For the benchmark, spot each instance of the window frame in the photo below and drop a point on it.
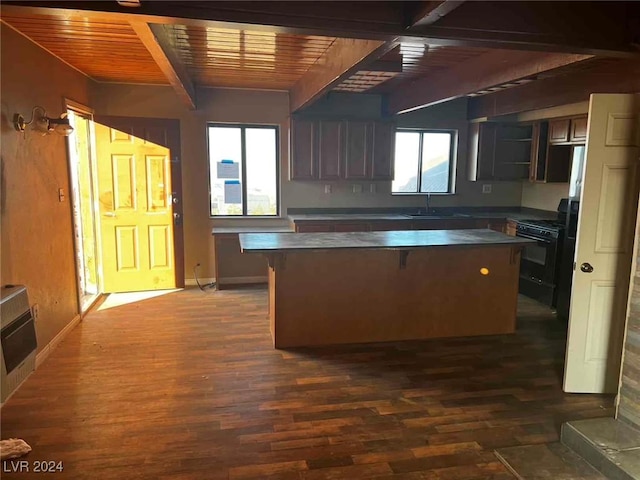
(451, 190)
(243, 163)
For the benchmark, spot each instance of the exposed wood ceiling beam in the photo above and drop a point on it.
(445, 36)
(342, 59)
(593, 28)
(431, 11)
(602, 76)
(488, 70)
(156, 41)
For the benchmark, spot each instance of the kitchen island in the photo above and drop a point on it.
(331, 288)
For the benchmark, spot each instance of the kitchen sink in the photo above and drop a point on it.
(430, 214)
(438, 215)
(420, 216)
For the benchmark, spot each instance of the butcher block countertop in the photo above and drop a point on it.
(403, 239)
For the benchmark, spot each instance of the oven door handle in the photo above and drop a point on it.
(543, 240)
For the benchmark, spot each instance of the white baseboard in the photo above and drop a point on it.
(228, 281)
(44, 353)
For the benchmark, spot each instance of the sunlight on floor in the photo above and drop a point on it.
(118, 299)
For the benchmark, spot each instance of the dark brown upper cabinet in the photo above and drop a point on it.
(500, 151)
(304, 161)
(559, 130)
(540, 151)
(550, 160)
(568, 130)
(578, 132)
(335, 149)
(384, 146)
(359, 150)
(330, 147)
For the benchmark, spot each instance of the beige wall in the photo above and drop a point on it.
(268, 107)
(544, 196)
(37, 234)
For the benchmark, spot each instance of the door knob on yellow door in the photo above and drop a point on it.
(586, 268)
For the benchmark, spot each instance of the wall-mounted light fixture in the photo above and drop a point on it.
(43, 124)
(128, 3)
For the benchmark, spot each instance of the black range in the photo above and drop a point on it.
(539, 267)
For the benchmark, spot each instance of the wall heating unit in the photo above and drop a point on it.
(18, 342)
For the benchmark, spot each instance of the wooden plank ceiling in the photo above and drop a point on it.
(107, 50)
(413, 61)
(228, 57)
(417, 60)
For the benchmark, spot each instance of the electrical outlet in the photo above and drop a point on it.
(35, 311)
(327, 188)
(486, 188)
(357, 188)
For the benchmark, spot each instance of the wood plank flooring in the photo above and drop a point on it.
(188, 386)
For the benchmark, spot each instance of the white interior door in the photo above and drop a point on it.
(604, 244)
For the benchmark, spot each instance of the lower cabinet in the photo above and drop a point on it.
(352, 227)
(314, 227)
(382, 226)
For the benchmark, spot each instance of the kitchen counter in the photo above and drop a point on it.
(332, 288)
(236, 230)
(515, 216)
(355, 217)
(346, 217)
(441, 219)
(401, 239)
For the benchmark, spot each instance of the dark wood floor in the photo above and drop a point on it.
(188, 386)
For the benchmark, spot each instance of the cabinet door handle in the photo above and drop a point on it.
(586, 268)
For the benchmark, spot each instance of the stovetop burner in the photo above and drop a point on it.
(540, 229)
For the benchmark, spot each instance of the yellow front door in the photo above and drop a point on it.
(136, 219)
